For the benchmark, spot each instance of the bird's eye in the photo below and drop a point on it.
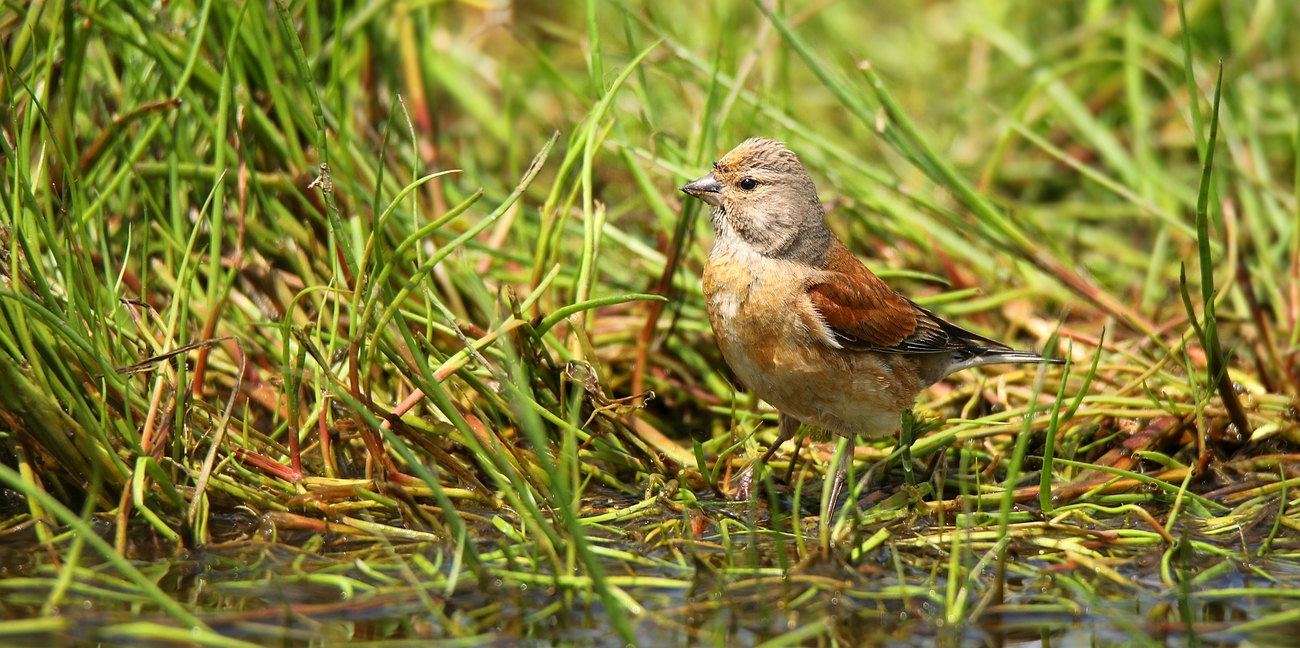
(748, 184)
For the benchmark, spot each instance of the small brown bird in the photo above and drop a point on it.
(805, 324)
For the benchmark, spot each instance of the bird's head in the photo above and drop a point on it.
(760, 193)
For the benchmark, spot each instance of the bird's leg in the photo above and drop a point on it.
(841, 475)
(794, 458)
(786, 427)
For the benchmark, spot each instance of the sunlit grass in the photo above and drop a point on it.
(352, 314)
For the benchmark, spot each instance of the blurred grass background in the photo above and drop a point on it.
(387, 284)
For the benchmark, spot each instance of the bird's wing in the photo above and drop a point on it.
(861, 312)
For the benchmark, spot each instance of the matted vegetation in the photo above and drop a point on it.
(381, 322)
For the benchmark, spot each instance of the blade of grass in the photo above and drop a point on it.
(1217, 367)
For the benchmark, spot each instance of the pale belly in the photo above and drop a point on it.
(758, 323)
(863, 394)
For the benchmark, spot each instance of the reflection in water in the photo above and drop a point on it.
(278, 594)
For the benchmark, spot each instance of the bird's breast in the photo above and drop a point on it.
(753, 303)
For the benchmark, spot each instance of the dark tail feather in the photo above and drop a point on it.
(980, 356)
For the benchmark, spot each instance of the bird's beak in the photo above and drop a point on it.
(707, 189)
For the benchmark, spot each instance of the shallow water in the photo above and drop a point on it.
(305, 589)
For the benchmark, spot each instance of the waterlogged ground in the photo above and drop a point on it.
(697, 576)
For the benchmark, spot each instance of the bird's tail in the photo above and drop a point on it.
(980, 356)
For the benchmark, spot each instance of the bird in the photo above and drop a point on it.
(806, 325)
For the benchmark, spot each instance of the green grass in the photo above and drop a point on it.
(339, 322)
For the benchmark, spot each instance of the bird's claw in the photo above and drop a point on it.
(744, 485)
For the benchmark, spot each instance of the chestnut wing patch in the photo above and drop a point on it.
(858, 317)
(864, 314)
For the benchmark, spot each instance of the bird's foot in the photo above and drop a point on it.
(744, 484)
(754, 473)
